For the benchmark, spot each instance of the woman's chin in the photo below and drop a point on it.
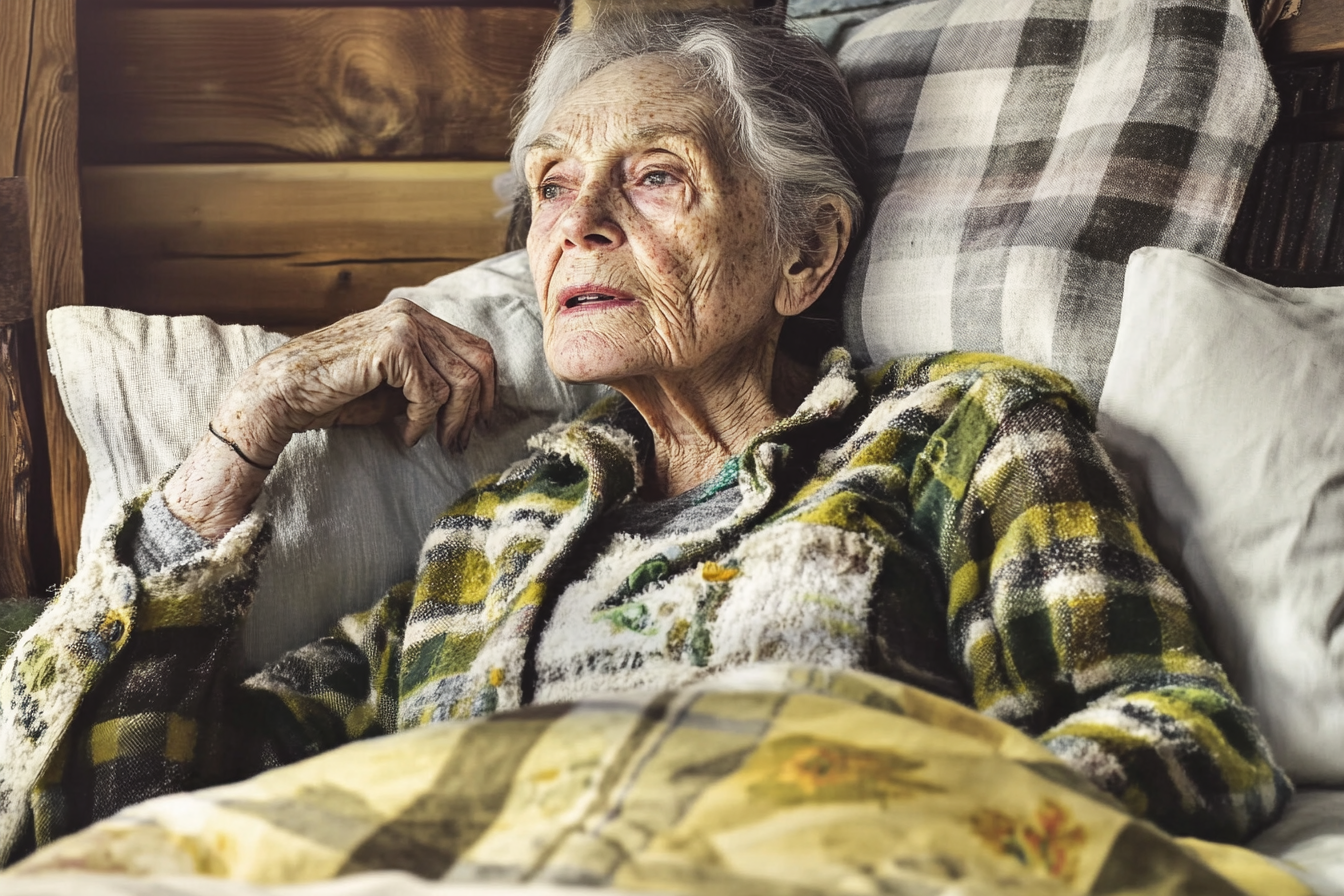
(588, 358)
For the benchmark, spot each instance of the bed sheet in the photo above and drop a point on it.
(1310, 840)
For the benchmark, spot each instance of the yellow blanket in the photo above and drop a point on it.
(769, 779)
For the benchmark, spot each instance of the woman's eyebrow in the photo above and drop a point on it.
(546, 141)
(656, 133)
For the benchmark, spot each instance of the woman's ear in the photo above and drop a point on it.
(809, 267)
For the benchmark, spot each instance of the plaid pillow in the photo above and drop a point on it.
(1022, 150)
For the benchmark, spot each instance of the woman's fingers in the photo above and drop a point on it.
(450, 348)
(425, 389)
(443, 377)
(467, 363)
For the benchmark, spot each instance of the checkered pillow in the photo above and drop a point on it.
(1022, 150)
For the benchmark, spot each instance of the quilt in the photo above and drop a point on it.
(765, 779)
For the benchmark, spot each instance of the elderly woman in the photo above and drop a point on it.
(946, 520)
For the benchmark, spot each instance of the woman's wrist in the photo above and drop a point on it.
(242, 424)
(221, 478)
(213, 489)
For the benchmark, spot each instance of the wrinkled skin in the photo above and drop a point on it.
(396, 363)
(656, 272)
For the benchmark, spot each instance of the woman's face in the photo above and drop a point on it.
(650, 251)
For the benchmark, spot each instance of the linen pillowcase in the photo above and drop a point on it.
(1222, 409)
(350, 507)
(1021, 151)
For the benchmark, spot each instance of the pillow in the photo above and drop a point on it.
(1222, 407)
(830, 21)
(350, 506)
(1020, 151)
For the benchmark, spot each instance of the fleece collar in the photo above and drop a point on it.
(613, 428)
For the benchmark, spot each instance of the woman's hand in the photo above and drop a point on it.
(396, 362)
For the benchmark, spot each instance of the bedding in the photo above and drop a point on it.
(1021, 151)
(830, 21)
(947, 520)
(140, 389)
(764, 779)
(1309, 839)
(1221, 408)
(1005, 201)
(374, 883)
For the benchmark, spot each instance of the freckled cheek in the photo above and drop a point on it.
(544, 219)
(657, 249)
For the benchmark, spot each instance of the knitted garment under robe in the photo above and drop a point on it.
(946, 520)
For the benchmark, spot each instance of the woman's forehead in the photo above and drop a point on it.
(635, 101)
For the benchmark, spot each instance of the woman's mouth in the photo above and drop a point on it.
(590, 295)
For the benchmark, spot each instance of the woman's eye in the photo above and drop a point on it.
(549, 191)
(657, 179)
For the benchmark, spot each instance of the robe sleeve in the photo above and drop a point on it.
(122, 691)
(1066, 625)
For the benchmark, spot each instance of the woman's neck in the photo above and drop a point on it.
(701, 418)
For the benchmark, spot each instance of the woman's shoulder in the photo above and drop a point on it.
(995, 385)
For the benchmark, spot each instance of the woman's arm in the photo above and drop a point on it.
(119, 692)
(163, 716)
(1068, 626)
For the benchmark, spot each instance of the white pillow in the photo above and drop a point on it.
(1222, 405)
(350, 507)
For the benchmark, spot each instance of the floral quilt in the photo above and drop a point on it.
(767, 779)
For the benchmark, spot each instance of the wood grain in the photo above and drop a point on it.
(267, 291)
(245, 85)
(16, 17)
(1317, 31)
(16, 268)
(48, 157)
(16, 443)
(16, 451)
(282, 245)
(300, 4)
(585, 10)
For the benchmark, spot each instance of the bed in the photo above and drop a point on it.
(1060, 186)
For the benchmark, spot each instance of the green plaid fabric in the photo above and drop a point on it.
(945, 520)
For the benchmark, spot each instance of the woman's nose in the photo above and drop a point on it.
(589, 221)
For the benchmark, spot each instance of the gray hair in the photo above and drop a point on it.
(783, 100)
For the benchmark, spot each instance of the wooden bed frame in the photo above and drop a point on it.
(286, 162)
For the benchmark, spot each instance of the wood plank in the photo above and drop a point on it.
(585, 10)
(47, 157)
(1317, 31)
(300, 4)
(297, 244)
(16, 19)
(365, 210)
(16, 260)
(16, 443)
(246, 85)
(272, 292)
(16, 451)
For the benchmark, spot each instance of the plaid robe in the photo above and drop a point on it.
(946, 520)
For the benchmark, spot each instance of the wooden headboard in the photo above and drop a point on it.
(286, 162)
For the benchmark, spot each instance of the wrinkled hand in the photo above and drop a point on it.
(396, 362)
